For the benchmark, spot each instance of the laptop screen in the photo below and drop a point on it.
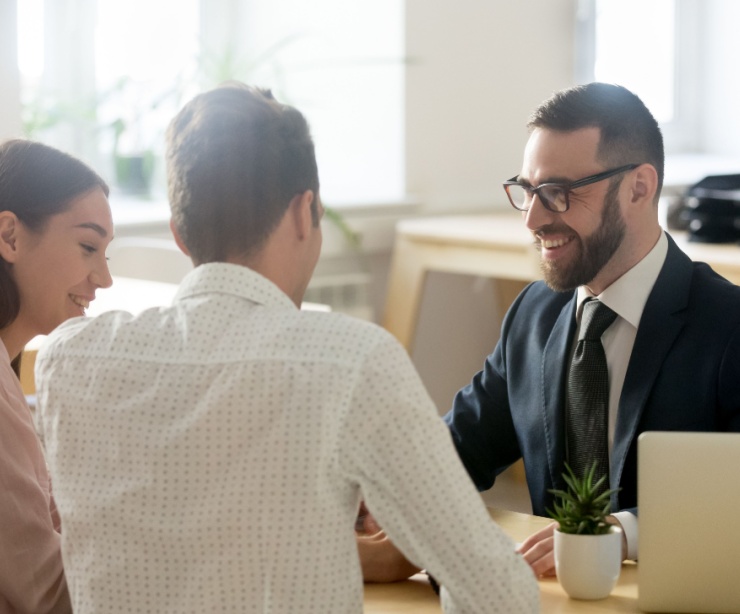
(689, 535)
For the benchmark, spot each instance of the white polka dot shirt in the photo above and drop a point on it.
(210, 457)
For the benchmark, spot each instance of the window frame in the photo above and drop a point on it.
(683, 133)
(69, 79)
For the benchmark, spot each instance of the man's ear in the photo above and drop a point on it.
(300, 207)
(9, 227)
(178, 239)
(644, 184)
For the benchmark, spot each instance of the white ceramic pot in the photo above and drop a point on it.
(588, 565)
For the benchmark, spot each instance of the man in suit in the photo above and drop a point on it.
(588, 189)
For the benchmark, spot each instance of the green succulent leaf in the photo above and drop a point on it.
(582, 507)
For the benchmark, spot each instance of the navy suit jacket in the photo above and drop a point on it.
(683, 375)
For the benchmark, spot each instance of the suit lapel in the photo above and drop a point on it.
(661, 321)
(554, 366)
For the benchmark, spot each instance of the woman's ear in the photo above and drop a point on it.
(9, 227)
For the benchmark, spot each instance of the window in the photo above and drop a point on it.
(650, 48)
(141, 86)
(102, 78)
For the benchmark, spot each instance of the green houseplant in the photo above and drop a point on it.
(588, 549)
(583, 507)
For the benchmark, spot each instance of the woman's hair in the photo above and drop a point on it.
(36, 182)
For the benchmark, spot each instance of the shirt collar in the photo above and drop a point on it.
(628, 294)
(235, 280)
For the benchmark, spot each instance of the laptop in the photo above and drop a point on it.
(689, 522)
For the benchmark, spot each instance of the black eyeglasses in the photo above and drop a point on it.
(554, 196)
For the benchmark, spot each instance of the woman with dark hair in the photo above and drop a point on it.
(55, 225)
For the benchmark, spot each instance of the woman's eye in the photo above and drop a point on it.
(89, 248)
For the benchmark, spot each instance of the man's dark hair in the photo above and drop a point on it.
(236, 158)
(629, 132)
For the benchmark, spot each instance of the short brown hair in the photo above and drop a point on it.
(629, 132)
(235, 159)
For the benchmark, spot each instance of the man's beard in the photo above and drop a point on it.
(594, 251)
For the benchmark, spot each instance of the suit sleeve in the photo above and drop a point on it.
(729, 384)
(481, 425)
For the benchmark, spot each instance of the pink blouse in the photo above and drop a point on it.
(31, 573)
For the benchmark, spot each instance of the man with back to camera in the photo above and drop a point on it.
(588, 189)
(210, 456)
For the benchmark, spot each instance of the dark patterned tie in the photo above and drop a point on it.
(587, 422)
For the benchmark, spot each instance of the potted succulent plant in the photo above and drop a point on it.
(588, 549)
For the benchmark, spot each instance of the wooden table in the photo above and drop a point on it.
(415, 595)
(497, 246)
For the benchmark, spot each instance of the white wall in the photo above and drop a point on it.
(10, 109)
(721, 91)
(480, 67)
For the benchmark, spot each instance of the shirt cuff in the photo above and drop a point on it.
(629, 525)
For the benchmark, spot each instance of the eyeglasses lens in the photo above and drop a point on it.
(520, 198)
(552, 196)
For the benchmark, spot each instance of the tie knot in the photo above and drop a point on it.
(595, 319)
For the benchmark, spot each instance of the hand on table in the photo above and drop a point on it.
(380, 560)
(539, 549)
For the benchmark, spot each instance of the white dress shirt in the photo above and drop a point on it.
(626, 297)
(210, 457)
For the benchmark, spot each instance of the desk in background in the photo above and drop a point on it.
(497, 246)
(416, 596)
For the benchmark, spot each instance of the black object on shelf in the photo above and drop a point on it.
(713, 209)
